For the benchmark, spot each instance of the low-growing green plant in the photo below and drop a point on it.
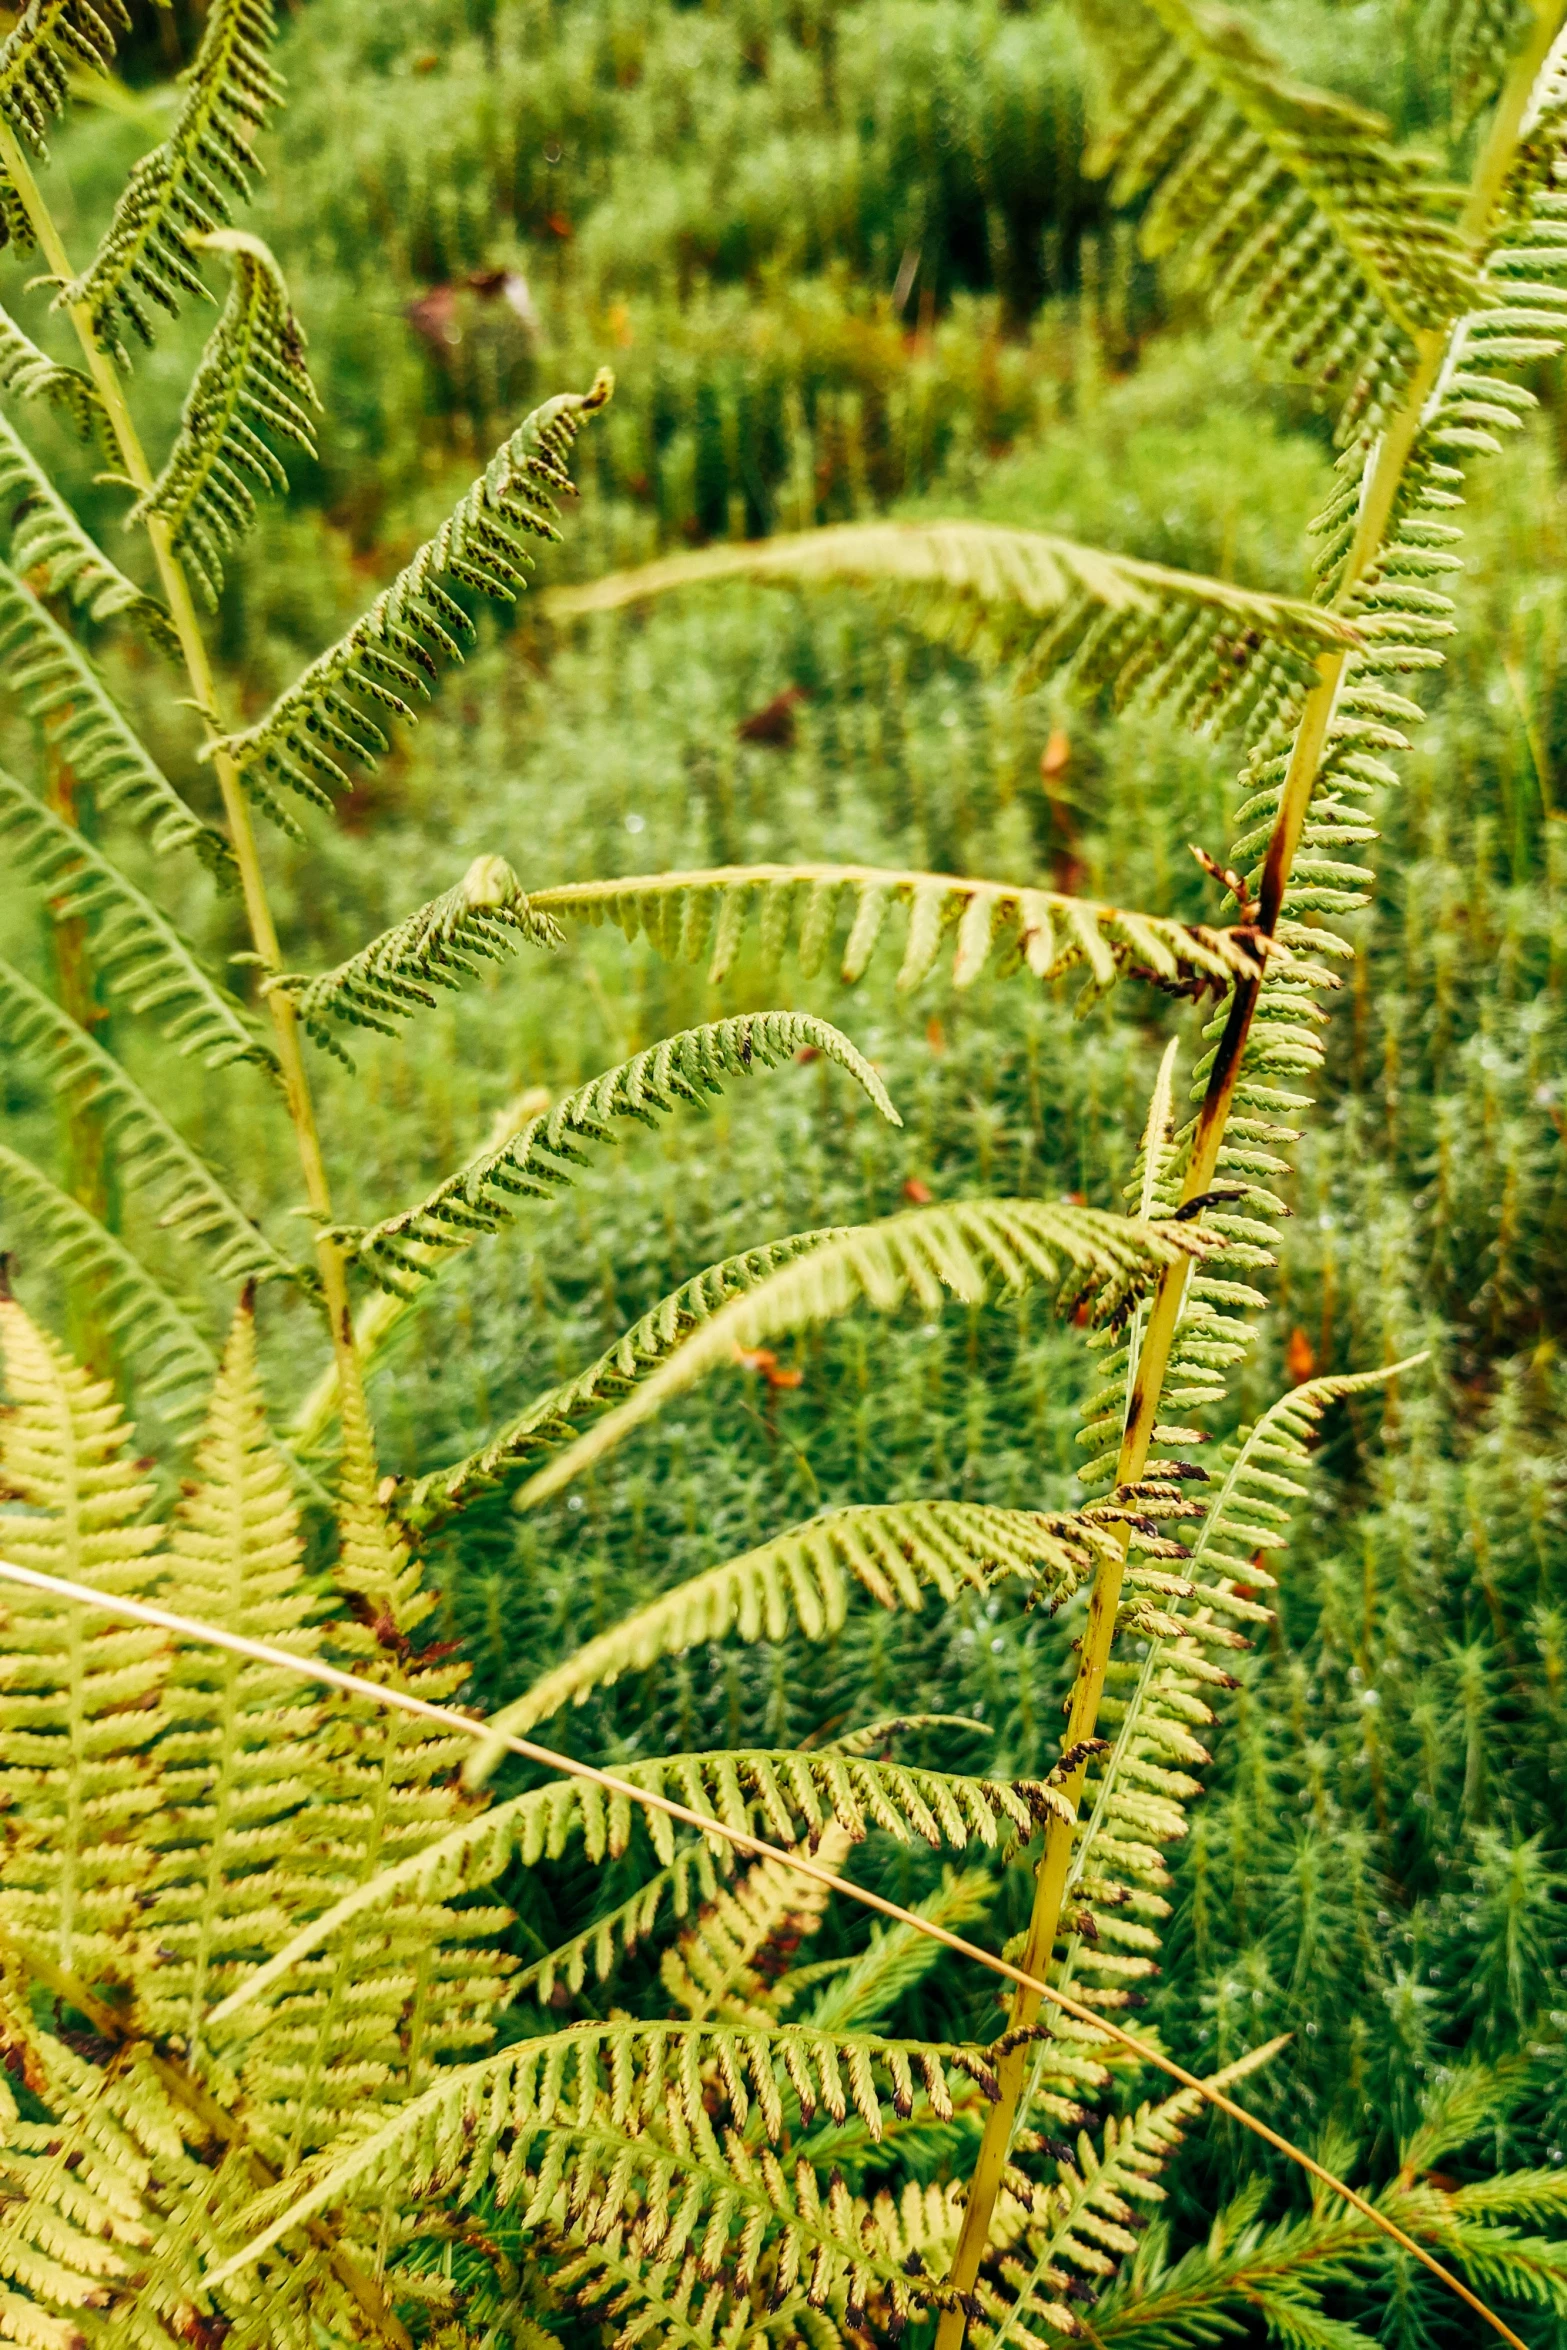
(269, 2074)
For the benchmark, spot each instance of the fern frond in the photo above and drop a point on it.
(137, 951)
(179, 193)
(931, 1254)
(1039, 928)
(51, 40)
(484, 2120)
(57, 685)
(30, 374)
(390, 979)
(78, 1702)
(785, 1795)
(151, 1154)
(391, 654)
(235, 1759)
(1291, 206)
(893, 1550)
(401, 1249)
(156, 1334)
(862, 1992)
(252, 374)
(46, 536)
(1139, 631)
(550, 1418)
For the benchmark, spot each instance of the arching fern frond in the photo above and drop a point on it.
(152, 1156)
(58, 686)
(714, 1970)
(390, 979)
(51, 40)
(137, 951)
(893, 1550)
(1290, 205)
(46, 536)
(30, 374)
(931, 1254)
(550, 1418)
(993, 922)
(78, 1702)
(785, 1795)
(1140, 631)
(156, 1334)
(482, 2121)
(391, 655)
(180, 192)
(683, 1068)
(252, 375)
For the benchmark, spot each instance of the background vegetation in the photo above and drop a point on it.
(844, 258)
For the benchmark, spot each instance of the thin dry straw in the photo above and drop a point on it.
(311, 1669)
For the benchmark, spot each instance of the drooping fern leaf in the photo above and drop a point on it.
(931, 1254)
(150, 1153)
(252, 375)
(1214, 652)
(58, 686)
(78, 1700)
(47, 537)
(699, 1061)
(137, 951)
(158, 1336)
(713, 1970)
(391, 654)
(893, 1550)
(1041, 929)
(390, 979)
(30, 374)
(1290, 205)
(550, 1417)
(150, 252)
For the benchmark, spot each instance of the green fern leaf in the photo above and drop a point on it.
(784, 1795)
(252, 374)
(1041, 929)
(485, 2118)
(46, 536)
(713, 1972)
(152, 1156)
(390, 979)
(1138, 630)
(551, 1416)
(30, 374)
(1290, 205)
(391, 654)
(137, 951)
(156, 1334)
(929, 1253)
(57, 686)
(401, 1249)
(51, 40)
(178, 194)
(79, 1700)
(894, 1550)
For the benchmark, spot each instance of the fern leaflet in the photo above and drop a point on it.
(390, 979)
(399, 1250)
(136, 949)
(1215, 652)
(391, 654)
(180, 192)
(152, 1156)
(156, 1333)
(1042, 929)
(51, 40)
(30, 374)
(46, 536)
(252, 374)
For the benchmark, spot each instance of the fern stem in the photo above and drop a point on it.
(236, 808)
(1380, 490)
